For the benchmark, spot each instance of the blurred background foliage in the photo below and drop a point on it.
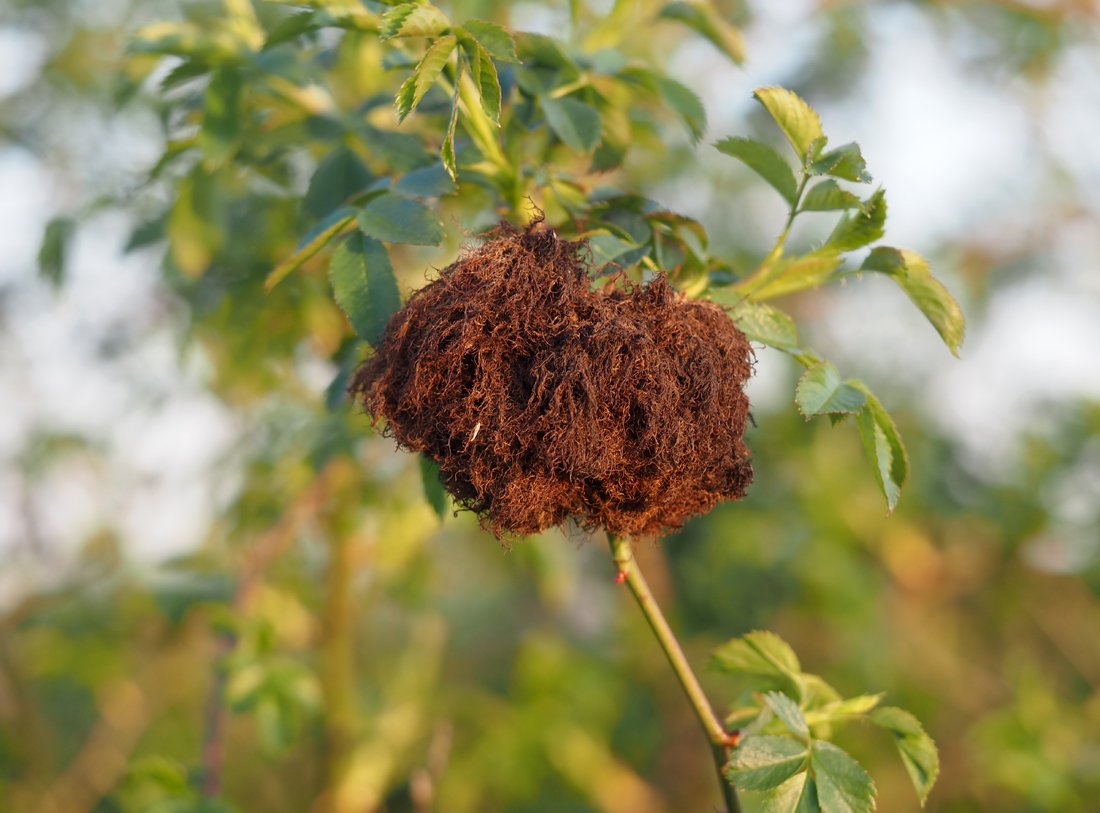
(321, 640)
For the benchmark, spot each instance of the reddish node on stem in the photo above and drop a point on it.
(620, 577)
(732, 739)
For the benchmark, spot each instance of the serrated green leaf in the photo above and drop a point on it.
(183, 72)
(793, 274)
(684, 103)
(761, 654)
(447, 152)
(918, 751)
(841, 710)
(339, 175)
(816, 691)
(883, 446)
(763, 761)
(910, 270)
(424, 76)
(364, 285)
(401, 151)
(862, 228)
(702, 19)
(220, 134)
(425, 182)
(413, 20)
(797, 120)
(764, 161)
(677, 222)
(821, 391)
(336, 393)
(844, 162)
(608, 248)
(761, 651)
(315, 240)
(434, 492)
(406, 94)
(544, 51)
(843, 786)
(493, 38)
(146, 233)
(739, 717)
(828, 196)
(575, 122)
(54, 251)
(470, 48)
(626, 223)
(488, 83)
(797, 795)
(291, 27)
(609, 155)
(788, 712)
(188, 40)
(758, 321)
(196, 227)
(396, 219)
(538, 81)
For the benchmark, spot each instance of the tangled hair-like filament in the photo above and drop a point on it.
(542, 399)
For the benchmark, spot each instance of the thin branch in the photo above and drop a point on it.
(764, 272)
(720, 740)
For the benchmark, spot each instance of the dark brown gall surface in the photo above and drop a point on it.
(543, 399)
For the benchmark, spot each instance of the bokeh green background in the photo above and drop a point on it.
(321, 636)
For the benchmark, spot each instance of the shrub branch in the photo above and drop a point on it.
(720, 740)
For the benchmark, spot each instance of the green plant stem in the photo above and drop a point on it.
(764, 272)
(479, 127)
(484, 134)
(782, 239)
(624, 559)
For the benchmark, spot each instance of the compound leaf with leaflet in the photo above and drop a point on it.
(364, 285)
(764, 161)
(798, 121)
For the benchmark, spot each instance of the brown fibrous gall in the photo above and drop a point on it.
(543, 399)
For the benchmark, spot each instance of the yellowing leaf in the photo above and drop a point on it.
(797, 274)
(703, 19)
(910, 271)
(918, 752)
(797, 120)
(424, 76)
(862, 228)
(413, 20)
